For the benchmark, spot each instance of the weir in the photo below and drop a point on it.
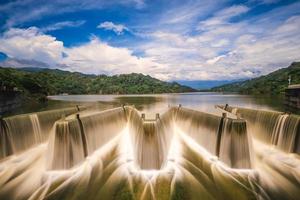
(151, 139)
(76, 137)
(182, 153)
(155, 141)
(149, 146)
(224, 137)
(276, 128)
(21, 132)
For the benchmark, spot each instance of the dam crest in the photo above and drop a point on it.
(83, 153)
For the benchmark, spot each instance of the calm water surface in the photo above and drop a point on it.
(158, 103)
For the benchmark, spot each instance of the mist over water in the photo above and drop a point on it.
(185, 152)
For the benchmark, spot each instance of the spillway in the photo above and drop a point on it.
(21, 132)
(122, 154)
(279, 129)
(276, 137)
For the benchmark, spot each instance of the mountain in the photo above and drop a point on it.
(273, 83)
(43, 81)
(204, 85)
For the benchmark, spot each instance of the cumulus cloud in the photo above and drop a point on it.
(226, 49)
(99, 57)
(222, 46)
(31, 45)
(117, 28)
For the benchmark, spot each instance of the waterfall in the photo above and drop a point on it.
(135, 125)
(5, 143)
(202, 127)
(151, 139)
(73, 138)
(101, 127)
(36, 128)
(182, 154)
(76, 137)
(21, 132)
(65, 147)
(150, 147)
(278, 128)
(223, 137)
(154, 142)
(165, 132)
(270, 127)
(289, 135)
(235, 147)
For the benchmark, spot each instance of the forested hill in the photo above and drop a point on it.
(273, 83)
(54, 81)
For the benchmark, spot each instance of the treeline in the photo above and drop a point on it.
(53, 82)
(273, 83)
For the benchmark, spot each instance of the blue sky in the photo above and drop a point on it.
(170, 40)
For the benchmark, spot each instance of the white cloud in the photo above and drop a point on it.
(63, 24)
(215, 59)
(232, 11)
(99, 57)
(222, 17)
(225, 49)
(211, 48)
(31, 44)
(117, 28)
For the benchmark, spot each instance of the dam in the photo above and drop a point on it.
(121, 153)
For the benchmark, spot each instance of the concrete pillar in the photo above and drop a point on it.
(157, 116)
(224, 115)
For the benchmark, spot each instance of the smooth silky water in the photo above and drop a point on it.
(172, 152)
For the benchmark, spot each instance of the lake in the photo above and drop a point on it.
(158, 103)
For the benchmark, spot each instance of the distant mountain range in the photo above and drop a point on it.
(273, 83)
(43, 81)
(206, 85)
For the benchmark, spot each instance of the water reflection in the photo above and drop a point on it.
(200, 101)
(158, 103)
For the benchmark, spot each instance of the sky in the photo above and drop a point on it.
(169, 40)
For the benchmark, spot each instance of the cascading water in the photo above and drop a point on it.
(65, 147)
(279, 129)
(235, 146)
(22, 132)
(36, 128)
(149, 147)
(277, 167)
(226, 138)
(182, 154)
(289, 135)
(75, 138)
(202, 127)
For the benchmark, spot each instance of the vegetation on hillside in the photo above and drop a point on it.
(52, 82)
(273, 83)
